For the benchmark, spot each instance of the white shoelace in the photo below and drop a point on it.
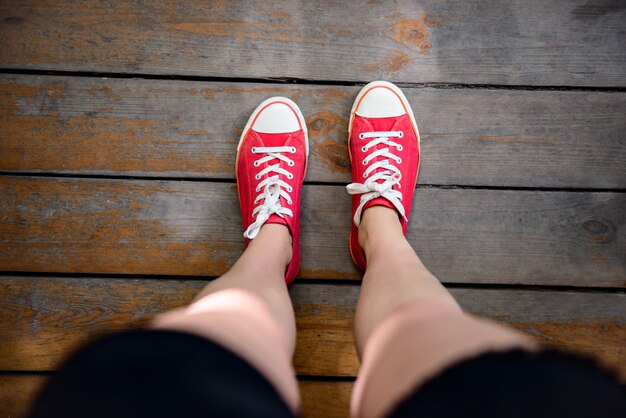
(380, 184)
(273, 187)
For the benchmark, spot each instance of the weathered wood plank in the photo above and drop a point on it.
(44, 318)
(319, 399)
(589, 323)
(325, 399)
(512, 42)
(190, 228)
(190, 129)
(17, 393)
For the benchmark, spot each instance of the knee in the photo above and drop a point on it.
(416, 312)
(230, 311)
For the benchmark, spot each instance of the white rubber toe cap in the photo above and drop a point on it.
(276, 117)
(380, 102)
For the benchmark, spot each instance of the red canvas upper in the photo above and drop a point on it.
(248, 184)
(409, 154)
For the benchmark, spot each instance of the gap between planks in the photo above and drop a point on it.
(302, 81)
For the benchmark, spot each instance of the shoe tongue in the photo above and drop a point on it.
(382, 124)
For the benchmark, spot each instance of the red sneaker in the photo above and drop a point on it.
(385, 154)
(271, 163)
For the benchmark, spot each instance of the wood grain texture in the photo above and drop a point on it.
(43, 319)
(160, 128)
(193, 228)
(325, 399)
(319, 399)
(17, 393)
(528, 42)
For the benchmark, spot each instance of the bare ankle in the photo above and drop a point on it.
(277, 238)
(378, 223)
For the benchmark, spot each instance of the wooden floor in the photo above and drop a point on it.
(118, 128)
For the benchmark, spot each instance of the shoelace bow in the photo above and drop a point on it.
(388, 175)
(273, 187)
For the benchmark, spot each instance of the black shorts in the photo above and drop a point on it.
(170, 374)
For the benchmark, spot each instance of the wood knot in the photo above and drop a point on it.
(319, 125)
(336, 155)
(414, 33)
(323, 122)
(601, 231)
(327, 129)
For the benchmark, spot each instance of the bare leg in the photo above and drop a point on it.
(248, 310)
(408, 327)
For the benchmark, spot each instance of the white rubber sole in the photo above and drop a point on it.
(393, 88)
(264, 104)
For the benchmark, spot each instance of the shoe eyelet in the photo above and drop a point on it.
(254, 150)
(256, 164)
(291, 163)
(290, 202)
(363, 162)
(257, 190)
(399, 160)
(400, 148)
(290, 176)
(257, 177)
(364, 175)
(364, 149)
(293, 150)
(400, 134)
(290, 189)
(361, 136)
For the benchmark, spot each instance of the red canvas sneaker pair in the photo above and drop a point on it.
(273, 152)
